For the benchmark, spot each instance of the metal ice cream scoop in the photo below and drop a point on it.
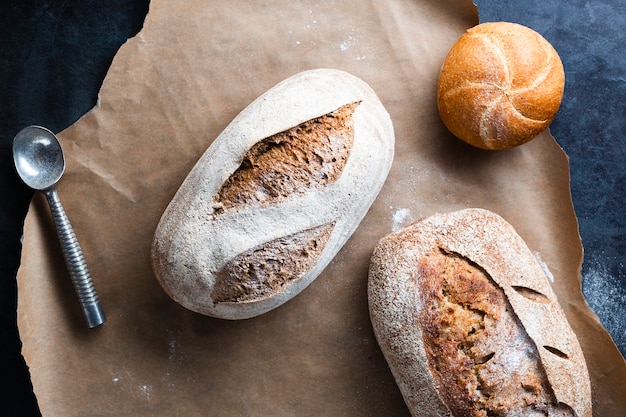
(40, 163)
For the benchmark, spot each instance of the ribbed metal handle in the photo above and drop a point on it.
(79, 273)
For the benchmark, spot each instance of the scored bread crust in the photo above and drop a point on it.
(203, 239)
(492, 245)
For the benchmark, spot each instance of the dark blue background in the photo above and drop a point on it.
(55, 54)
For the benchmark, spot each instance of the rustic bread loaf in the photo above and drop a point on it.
(500, 85)
(469, 325)
(275, 196)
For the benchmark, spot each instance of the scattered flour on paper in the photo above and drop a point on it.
(126, 381)
(544, 266)
(174, 351)
(401, 217)
(345, 45)
(146, 390)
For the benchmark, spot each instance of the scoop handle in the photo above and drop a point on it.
(73, 254)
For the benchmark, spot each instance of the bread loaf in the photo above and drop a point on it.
(469, 324)
(500, 85)
(275, 196)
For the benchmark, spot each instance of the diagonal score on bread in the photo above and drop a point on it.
(265, 270)
(261, 214)
(310, 155)
(290, 163)
(469, 324)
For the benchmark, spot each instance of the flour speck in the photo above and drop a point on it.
(544, 266)
(345, 45)
(401, 217)
(146, 390)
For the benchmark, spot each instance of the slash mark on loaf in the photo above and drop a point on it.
(263, 271)
(477, 348)
(308, 156)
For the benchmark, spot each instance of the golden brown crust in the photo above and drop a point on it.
(480, 357)
(500, 85)
(310, 155)
(290, 163)
(264, 271)
(469, 325)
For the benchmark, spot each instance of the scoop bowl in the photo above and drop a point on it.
(40, 163)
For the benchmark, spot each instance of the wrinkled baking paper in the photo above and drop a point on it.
(169, 92)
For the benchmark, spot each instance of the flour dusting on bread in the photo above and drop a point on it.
(469, 324)
(275, 196)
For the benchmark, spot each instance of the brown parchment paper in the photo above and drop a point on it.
(169, 92)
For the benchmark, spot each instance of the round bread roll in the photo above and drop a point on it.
(500, 85)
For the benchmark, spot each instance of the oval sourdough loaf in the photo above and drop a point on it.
(275, 196)
(469, 324)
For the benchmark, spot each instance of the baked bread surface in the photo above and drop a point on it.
(469, 325)
(500, 85)
(275, 196)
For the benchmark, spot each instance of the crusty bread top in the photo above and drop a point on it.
(290, 163)
(253, 198)
(500, 85)
(480, 357)
(490, 243)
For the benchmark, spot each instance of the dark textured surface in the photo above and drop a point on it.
(590, 126)
(54, 56)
